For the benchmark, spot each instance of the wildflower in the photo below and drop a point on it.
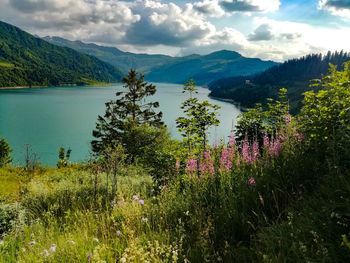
(71, 241)
(255, 152)
(141, 202)
(177, 164)
(96, 239)
(136, 198)
(120, 203)
(251, 181)
(123, 260)
(23, 249)
(118, 233)
(266, 141)
(223, 158)
(144, 219)
(232, 141)
(245, 152)
(113, 203)
(288, 118)
(89, 257)
(191, 165)
(45, 253)
(53, 248)
(202, 167)
(215, 144)
(32, 243)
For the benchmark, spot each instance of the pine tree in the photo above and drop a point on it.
(127, 113)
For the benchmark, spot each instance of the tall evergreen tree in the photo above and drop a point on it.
(125, 114)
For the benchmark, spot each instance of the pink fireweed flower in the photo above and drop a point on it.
(245, 152)
(215, 144)
(209, 162)
(251, 181)
(223, 159)
(191, 165)
(228, 165)
(266, 141)
(288, 118)
(177, 165)
(232, 141)
(203, 167)
(276, 147)
(255, 151)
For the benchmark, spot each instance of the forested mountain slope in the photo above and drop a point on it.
(26, 60)
(293, 75)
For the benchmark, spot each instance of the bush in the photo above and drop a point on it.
(5, 151)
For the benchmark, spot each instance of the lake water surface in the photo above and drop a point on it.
(48, 118)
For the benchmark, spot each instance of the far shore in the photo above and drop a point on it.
(63, 85)
(230, 101)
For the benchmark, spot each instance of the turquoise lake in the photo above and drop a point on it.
(48, 118)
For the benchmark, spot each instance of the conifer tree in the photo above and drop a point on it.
(127, 113)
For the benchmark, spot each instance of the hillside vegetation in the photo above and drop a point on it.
(161, 68)
(276, 191)
(296, 75)
(29, 61)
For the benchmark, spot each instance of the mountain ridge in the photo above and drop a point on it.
(26, 60)
(163, 68)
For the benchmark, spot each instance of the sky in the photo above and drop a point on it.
(268, 29)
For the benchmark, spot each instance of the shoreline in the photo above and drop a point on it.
(230, 101)
(63, 85)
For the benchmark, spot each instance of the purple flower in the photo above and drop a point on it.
(118, 233)
(141, 202)
(144, 219)
(53, 248)
(251, 181)
(113, 203)
(89, 257)
(32, 243)
(136, 198)
(96, 239)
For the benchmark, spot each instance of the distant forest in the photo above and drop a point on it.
(293, 75)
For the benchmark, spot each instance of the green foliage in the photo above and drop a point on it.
(5, 152)
(257, 122)
(11, 218)
(200, 116)
(325, 117)
(30, 61)
(63, 157)
(120, 123)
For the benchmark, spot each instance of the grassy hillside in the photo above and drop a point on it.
(293, 75)
(29, 61)
(160, 68)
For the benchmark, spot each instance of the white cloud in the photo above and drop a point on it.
(210, 8)
(250, 5)
(336, 7)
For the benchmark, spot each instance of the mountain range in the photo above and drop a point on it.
(26, 60)
(162, 68)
